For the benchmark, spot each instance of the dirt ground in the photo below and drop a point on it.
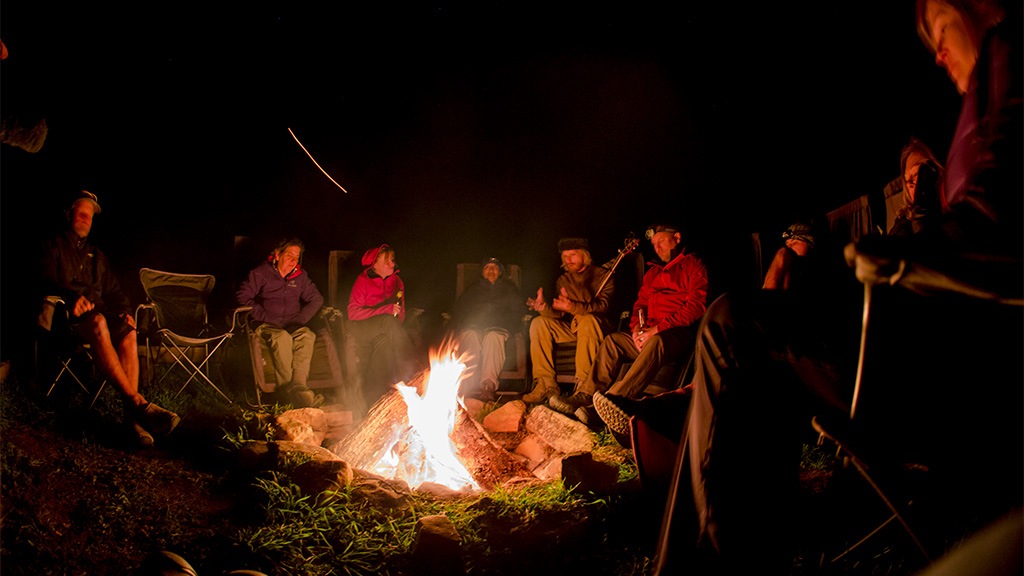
(78, 498)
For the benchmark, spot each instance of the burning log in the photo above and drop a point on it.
(421, 433)
(489, 463)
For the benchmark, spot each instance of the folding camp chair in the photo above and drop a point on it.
(897, 490)
(175, 324)
(56, 341)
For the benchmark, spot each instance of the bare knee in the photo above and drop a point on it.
(93, 328)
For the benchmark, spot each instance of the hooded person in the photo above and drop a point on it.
(376, 313)
(483, 319)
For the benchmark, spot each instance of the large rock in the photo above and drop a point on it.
(507, 418)
(306, 425)
(258, 455)
(562, 433)
(437, 547)
(318, 476)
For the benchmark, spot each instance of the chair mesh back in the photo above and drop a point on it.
(180, 300)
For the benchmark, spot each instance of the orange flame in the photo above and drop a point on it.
(424, 451)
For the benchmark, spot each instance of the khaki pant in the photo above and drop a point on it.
(546, 332)
(485, 356)
(674, 344)
(291, 353)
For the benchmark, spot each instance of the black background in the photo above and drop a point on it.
(459, 131)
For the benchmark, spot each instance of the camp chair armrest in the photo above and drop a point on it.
(49, 307)
(239, 317)
(145, 315)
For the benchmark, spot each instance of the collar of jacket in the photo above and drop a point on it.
(370, 272)
(679, 257)
(76, 240)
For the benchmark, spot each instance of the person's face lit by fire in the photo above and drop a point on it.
(288, 259)
(575, 260)
(664, 243)
(491, 272)
(951, 38)
(384, 265)
(81, 217)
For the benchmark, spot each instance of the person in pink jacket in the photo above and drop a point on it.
(376, 314)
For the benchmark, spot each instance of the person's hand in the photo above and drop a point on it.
(129, 319)
(537, 304)
(874, 261)
(562, 302)
(82, 305)
(640, 337)
(396, 309)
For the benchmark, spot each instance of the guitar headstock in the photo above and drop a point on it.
(631, 244)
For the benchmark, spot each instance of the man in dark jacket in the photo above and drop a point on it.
(484, 317)
(284, 299)
(101, 315)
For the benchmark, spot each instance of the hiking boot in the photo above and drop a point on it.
(542, 391)
(156, 420)
(306, 398)
(143, 439)
(615, 411)
(568, 404)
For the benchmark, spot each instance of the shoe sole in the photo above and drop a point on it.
(614, 417)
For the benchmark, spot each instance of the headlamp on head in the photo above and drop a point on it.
(799, 231)
(659, 228)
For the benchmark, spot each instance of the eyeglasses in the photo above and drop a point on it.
(655, 229)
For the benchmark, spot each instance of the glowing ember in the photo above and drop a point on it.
(423, 451)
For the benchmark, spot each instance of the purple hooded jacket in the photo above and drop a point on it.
(286, 302)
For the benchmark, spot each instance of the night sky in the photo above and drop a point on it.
(459, 132)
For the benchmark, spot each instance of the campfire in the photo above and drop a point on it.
(421, 433)
(423, 451)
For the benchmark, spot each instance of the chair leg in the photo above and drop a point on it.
(844, 452)
(97, 395)
(195, 370)
(66, 369)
